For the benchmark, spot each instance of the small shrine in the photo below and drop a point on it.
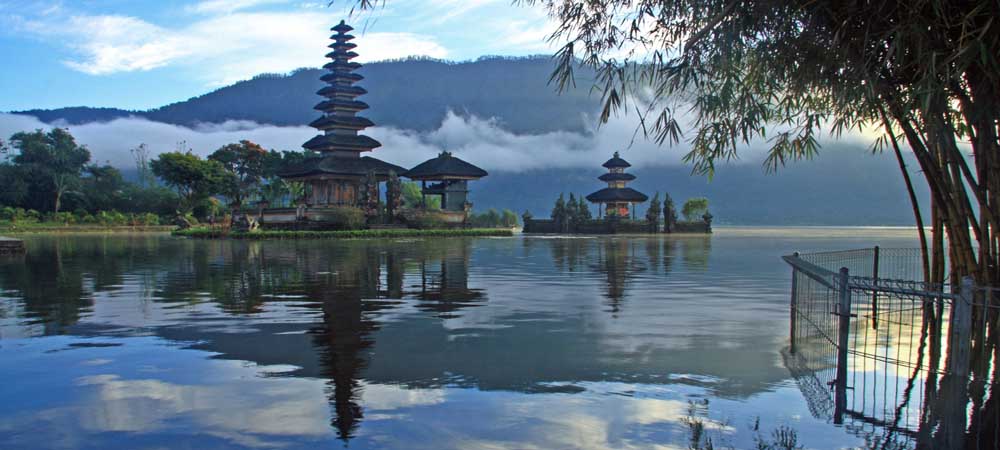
(617, 200)
(452, 176)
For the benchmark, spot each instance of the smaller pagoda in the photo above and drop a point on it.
(452, 176)
(617, 200)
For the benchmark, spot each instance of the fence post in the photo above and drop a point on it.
(875, 291)
(844, 312)
(959, 348)
(794, 304)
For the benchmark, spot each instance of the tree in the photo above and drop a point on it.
(508, 218)
(276, 190)
(694, 208)
(572, 210)
(275, 162)
(412, 198)
(15, 185)
(583, 209)
(102, 188)
(653, 212)
(245, 161)
(559, 213)
(52, 162)
(194, 179)
(141, 156)
(669, 213)
(492, 218)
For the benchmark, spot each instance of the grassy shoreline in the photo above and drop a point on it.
(88, 228)
(208, 233)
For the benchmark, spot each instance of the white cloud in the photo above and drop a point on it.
(227, 6)
(480, 141)
(221, 48)
(476, 140)
(122, 44)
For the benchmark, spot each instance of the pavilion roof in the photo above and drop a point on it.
(610, 195)
(445, 166)
(616, 177)
(616, 161)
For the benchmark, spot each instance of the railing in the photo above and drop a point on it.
(893, 358)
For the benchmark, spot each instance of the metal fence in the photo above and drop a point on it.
(896, 360)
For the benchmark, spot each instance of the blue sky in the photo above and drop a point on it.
(138, 54)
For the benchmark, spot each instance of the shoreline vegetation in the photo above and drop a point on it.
(56, 227)
(216, 233)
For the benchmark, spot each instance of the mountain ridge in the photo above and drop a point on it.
(412, 93)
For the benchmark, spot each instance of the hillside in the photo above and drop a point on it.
(410, 94)
(416, 94)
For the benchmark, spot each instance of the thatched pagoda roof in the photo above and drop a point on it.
(445, 166)
(611, 176)
(611, 195)
(327, 142)
(327, 122)
(342, 27)
(344, 105)
(616, 161)
(341, 166)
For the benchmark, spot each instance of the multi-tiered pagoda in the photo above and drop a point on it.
(617, 200)
(339, 176)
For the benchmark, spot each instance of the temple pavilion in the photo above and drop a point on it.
(337, 177)
(617, 200)
(452, 176)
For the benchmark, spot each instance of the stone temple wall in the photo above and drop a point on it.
(600, 226)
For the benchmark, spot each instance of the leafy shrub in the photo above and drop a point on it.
(694, 208)
(149, 219)
(343, 217)
(112, 218)
(66, 218)
(426, 220)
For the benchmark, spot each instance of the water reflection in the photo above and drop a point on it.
(396, 333)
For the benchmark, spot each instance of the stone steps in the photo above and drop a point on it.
(11, 246)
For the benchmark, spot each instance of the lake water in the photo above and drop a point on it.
(149, 341)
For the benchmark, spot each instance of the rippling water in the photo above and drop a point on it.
(149, 341)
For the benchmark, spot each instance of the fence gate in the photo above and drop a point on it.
(875, 348)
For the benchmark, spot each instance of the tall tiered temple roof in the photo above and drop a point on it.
(341, 142)
(339, 124)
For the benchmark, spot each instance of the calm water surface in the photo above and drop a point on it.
(149, 341)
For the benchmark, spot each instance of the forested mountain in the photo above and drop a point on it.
(411, 94)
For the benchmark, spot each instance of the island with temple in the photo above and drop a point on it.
(343, 187)
(616, 210)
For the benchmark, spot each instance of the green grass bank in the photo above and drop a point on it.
(55, 227)
(209, 233)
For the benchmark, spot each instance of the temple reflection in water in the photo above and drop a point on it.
(528, 315)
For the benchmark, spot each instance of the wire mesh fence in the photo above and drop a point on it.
(896, 360)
